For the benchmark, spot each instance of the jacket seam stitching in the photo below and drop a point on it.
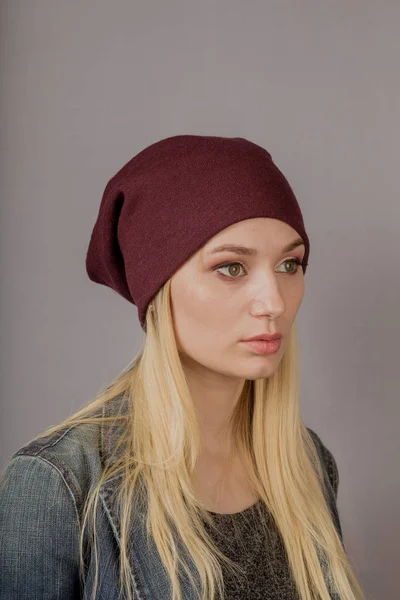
(115, 528)
(35, 448)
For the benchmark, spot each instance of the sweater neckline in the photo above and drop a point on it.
(240, 513)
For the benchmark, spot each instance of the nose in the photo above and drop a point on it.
(268, 301)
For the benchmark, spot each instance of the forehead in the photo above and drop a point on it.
(254, 235)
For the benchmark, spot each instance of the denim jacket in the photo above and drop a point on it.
(42, 492)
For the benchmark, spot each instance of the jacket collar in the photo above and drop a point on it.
(148, 575)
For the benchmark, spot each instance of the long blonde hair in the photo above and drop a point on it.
(160, 444)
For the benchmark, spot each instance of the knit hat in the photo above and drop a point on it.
(173, 196)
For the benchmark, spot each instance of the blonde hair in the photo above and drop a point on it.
(160, 445)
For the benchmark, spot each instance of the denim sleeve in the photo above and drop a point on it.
(39, 533)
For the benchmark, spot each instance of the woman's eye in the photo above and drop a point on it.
(296, 261)
(234, 268)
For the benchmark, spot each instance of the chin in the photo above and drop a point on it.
(266, 367)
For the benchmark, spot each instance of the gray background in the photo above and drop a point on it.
(86, 85)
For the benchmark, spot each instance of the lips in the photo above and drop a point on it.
(264, 346)
(266, 337)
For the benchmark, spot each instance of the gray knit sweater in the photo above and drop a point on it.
(261, 553)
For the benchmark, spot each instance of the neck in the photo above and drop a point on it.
(215, 397)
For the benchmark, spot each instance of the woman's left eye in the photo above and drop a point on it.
(296, 261)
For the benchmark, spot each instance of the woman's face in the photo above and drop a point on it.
(221, 298)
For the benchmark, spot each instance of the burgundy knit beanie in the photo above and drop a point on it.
(168, 200)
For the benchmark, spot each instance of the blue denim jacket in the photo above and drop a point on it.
(42, 492)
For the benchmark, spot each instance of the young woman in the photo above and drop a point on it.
(192, 474)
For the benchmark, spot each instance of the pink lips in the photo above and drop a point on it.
(264, 346)
(265, 336)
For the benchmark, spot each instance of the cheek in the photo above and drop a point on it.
(195, 303)
(293, 294)
(298, 296)
(201, 322)
(196, 313)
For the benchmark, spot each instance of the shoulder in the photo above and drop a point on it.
(69, 459)
(42, 493)
(327, 459)
(75, 454)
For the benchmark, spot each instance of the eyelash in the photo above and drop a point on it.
(298, 262)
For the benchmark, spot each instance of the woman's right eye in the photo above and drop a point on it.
(227, 266)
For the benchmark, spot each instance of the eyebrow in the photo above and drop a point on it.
(243, 250)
